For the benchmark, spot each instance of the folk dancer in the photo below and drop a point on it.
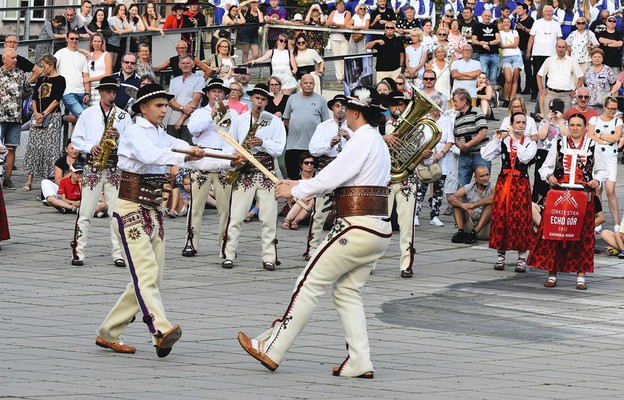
(98, 123)
(265, 136)
(328, 140)
(571, 256)
(512, 224)
(203, 130)
(144, 151)
(403, 192)
(358, 178)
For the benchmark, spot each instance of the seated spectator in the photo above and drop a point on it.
(221, 63)
(144, 66)
(174, 62)
(70, 192)
(485, 94)
(181, 198)
(457, 41)
(49, 187)
(472, 208)
(298, 213)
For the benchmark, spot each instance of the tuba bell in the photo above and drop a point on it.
(410, 129)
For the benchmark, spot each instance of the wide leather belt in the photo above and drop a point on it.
(265, 159)
(110, 163)
(323, 161)
(144, 189)
(351, 201)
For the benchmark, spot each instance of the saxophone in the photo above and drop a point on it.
(106, 143)
(231, 176)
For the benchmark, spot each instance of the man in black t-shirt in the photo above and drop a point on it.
(523, 26)
(11, 42)
(381, 16)
(611, 43)
(485, 38)
(390, 53)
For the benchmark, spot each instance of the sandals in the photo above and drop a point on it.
(500, 264)
(551, 282)
(521, 266)
(287, 224)
(581, 286)
(27, 187)
(294, 224)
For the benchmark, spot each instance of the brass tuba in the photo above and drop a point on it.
(106, 143)
(410, 129)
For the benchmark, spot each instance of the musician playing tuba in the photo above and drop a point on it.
(104, 118)
(266, 143)
(202, 125)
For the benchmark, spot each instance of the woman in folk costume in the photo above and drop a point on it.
(4, 223)
(512, 225)
(558, 169)
(358, 178)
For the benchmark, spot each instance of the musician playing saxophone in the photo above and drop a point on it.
(266, 142)
(100, 121)
(202, 127)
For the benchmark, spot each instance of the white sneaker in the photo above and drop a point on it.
(616, 228)
(416, 221)
(598, 229)
(436, 221)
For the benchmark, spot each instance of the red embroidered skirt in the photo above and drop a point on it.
(512, 224)
(4, 223)
(566, 256)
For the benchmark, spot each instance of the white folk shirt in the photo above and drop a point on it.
(320, 144)
(90, 127)
(146, 149)
(203, 128)
(563, 74)
(525, 151)
(273, 135)
(364, 161)
(600, 172)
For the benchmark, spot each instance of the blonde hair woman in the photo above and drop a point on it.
(361, 20)
(283, 64)
(416, 57)
(234, 98)
(221, 62)
(442, 67)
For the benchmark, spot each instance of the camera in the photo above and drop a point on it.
(557, 105)
(240, 70)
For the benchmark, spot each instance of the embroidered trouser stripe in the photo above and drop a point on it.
(405, 197)
(344, 261)
(315, 231)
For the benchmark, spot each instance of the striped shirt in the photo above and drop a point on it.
(469, 124)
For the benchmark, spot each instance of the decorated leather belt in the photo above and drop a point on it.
(323, 161)
(144, 189)
(110, 163)
(265, 159)
(351, 201)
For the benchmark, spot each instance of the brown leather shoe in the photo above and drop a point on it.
(116, 347)
(167, 340)
(365, 375)
(247, 345)
(269, 266)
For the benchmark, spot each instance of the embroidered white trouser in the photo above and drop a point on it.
(404, 193)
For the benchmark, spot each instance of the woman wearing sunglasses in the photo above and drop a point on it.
(581, 42)
(283, 64)
(100, 64)
(308, 61)
(297, 213)
(339, 18)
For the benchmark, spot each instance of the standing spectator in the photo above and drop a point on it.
(151, 20)
(72, 24)
(221, 63)
(453, 8)
(465, 73)
(543, 42)
(144, 65)
(470, 135)
(567, 16)
(198, 20)
(442, 68)
(456, 40)
(308, 61)
(598, 78)
(274, 14)
(512, 59)
(582, 105)
(524, 23)
(467, 24)
(99, 23)
(429, 82)
(84, 17)
(120, 26)
(248, 34)
(512, 225)
(136, 24)
(416, 58)
(234, 98)
(283, 64)
(611, 44)
(486, 39)
(244, 80)
(447, 18)
(571, 256)
(12, 84)
(234, 16)
(564, 78)
(11, 42)
(51, 30)
(381, 15)
(127, 78)
(406, 24)
(360, 20)
(178, 20)
(316, 39)
(425, 11)
(277, 101)
(74, 67)
(339, 18)
(430, 40)
(581, 42)
(485, 94)
(44, 142)
(100, 64)
(390, 53)
(187, 90)
(516, 105)
(304, 111)
(606, 131)
(174, 62)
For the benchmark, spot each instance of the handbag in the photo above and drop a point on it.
(429, 174)
(356, 37)
(46, 121)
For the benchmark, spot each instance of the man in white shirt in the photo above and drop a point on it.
(74, 67)
(465, 72)
(543, 40)
(188, 91)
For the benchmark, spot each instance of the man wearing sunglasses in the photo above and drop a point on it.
(610, 41)
(582, 105)
(127, 78)
(429, 80)
(74, 67)
(390, 53)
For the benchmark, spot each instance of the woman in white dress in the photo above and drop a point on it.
(339, 18)
(283, 64)
(100, 64)
(606, 131)
(361, 20)
(416, 58)
(442, 67)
